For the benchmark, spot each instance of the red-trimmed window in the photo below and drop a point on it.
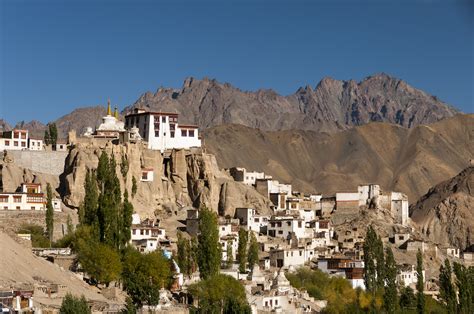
(191, 133)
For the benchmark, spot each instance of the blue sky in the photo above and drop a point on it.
(59, 55)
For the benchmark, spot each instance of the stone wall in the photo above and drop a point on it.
(47, 162)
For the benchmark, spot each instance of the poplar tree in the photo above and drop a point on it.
(209, 249)
(420, 297)
(369, 260)
(253, 251)
(447, 293)
(49, 213)
(242, 250)
(380, 263)
(182, 256)
(390, 297)
(465, 285)
(230, 254)
(126, 221)
(53, 133)
(88, 213)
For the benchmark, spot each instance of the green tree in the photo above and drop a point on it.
(47, 138)
(220, 294)
(49, 213)
(370, 272)
(447, 293)
(465, 285)
(230, 255)
(420, 297)
(124, 166)
(144, 274)
(126, 221)
(380, 263)
(182, 255)
(69, 225)
(390, 297)
(99, 261)
(209, 249)
(90, 204)
(242, 250)
(38, 238)
(53, 133)
(407, 298)
(74, 305)
(253, 251)
(134, 187)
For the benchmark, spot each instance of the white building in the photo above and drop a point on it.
(31, 197)
(284, 227)
(146, 236)
(147, 175)
(290, 257)
(267, 186)
(407, 275)
(352, 270)
(161, 130)
(35, 144)
(14, 140)
(250, 220)
(247, 177)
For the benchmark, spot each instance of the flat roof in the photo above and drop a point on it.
(161, 113)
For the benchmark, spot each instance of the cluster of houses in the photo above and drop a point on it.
(29, 196)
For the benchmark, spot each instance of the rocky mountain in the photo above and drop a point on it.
(4, 126)
(80, 119)
(397, 158)
(332, 105)
(36, 128)
(445, 214)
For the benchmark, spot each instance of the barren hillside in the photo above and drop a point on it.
(406, 160)
(445, 214)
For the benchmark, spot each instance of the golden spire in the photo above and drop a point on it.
(109, 112)
(116, 113)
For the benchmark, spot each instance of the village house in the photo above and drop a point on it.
(453, 252)
(162, 131)
(290, 257)
(14, 140)
(30, 197)
(251, 221)
(146, 235)
(407, 275)
(268, 186)
(35, 144)
(247, 177)
(352, 270)
(286, 226)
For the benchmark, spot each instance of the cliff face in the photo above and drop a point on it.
(332, 105)
(445, 214)
(182, 179)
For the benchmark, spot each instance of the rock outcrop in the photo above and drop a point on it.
(446, 213)
(182, 178)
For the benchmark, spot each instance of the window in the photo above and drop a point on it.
(18, 207)
(172, 134)
(151, 244)
(23, 144)
(16, 135)
(184, 133)
(32, 208)
(280, 232)
(134, 231)
(301, 253)
(257, 220)
(163, 119)
(191, 133)
(276, 302)
(15, 143)
(7, 143)
(17, 199)
(142, 232)
(32, 143)
(144, 175)
(299, 224)
(3, 198)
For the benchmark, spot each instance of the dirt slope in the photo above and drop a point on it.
(406, 160)
(446, 213)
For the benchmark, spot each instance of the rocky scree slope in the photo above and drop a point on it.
(446, 213)
(332, 105)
